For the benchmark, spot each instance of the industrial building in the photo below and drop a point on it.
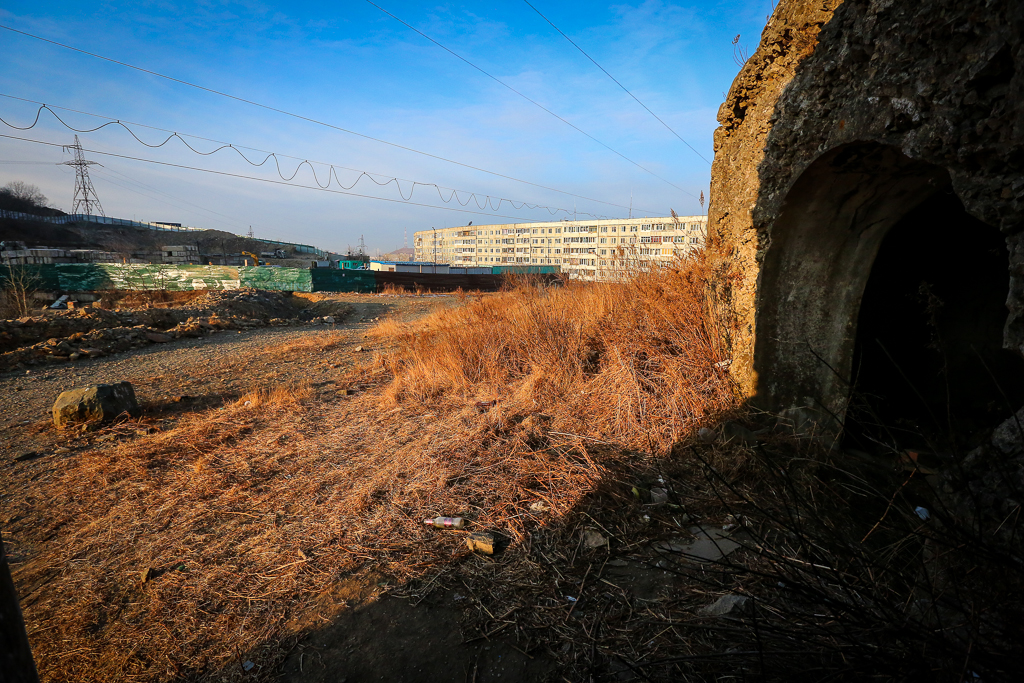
(587, 250)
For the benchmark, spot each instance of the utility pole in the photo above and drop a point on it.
(631, 203)
(435, 249)
(85, 193)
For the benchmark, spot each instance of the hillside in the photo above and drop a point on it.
(129, 240)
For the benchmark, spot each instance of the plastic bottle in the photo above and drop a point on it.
(446, 522)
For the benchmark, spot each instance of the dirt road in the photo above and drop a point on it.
(198, 372)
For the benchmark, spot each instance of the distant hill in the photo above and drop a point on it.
(401, 254)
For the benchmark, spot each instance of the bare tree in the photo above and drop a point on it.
(26, 192)
(19, 282)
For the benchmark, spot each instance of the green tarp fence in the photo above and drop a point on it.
(279, 279)
(343, 280)
(41, 277)
(90, 277)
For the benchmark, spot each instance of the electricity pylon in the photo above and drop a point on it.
(85, 193)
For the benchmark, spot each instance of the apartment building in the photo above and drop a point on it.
(588, 250)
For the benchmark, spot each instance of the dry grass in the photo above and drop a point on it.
(632, 362)
(253, 515)
(313, 343)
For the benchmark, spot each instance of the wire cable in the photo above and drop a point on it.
(528, 99)
(266, 180)
(616, 81)
(332, 176)
(306, 118)
(103, 172)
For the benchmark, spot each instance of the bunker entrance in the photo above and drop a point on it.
(929, 370)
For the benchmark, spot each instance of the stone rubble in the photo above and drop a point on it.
(65, 336)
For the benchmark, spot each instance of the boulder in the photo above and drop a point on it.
(95, 403)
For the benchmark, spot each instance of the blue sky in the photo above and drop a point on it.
(354, 67)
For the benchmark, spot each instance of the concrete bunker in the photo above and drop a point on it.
(881, 305)
(868, 186)
(929, 367)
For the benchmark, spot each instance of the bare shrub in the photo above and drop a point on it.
(636, 361)
(19, 283)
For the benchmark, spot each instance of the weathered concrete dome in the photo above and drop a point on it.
(868, 189)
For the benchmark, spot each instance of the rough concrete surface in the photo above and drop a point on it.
(847, 116)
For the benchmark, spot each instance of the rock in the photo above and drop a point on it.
(593, 539)
(729, 606)
(62, 349)
(329, 319)
(707, 435)
(358, 349)
(481, 541)
(147, 574)
(158, 338)
(95, 403)
(659, 496)
(90, 353)
(733, 432)
(74, 356)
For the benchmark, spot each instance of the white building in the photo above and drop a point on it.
(597, 249)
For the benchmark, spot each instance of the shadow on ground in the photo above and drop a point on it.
(392, 639)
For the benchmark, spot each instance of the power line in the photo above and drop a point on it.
(268, 180)
(305, 118)
(174, 201)
(615, 80)
(528, 99)
(110, 121)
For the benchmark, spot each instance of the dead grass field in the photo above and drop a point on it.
(245, 520)
(639, 363)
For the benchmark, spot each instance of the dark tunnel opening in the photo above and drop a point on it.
(929, 371)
